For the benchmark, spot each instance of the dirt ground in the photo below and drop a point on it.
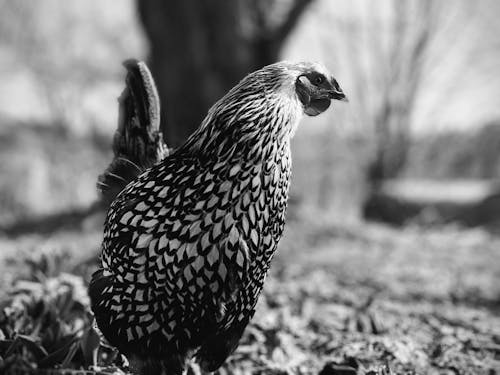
(340, 299)
(410, 302)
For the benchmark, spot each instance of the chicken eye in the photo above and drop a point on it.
(318, 80)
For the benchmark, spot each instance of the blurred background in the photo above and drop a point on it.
(423, 78)
(398, 189)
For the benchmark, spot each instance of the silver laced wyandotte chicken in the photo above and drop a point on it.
(188, 242)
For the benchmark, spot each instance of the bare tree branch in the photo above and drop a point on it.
(296, 11)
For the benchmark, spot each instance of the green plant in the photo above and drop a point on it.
(47, 324)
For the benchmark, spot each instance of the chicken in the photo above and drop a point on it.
(188, 243)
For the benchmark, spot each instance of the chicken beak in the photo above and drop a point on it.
(338, 95)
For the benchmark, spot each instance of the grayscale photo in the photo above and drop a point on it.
(250, 187)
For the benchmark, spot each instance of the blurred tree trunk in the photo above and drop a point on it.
(389, 52)
(414, 26)
(386, 52)
(199, 49)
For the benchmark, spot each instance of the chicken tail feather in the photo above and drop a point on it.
(138, 143)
